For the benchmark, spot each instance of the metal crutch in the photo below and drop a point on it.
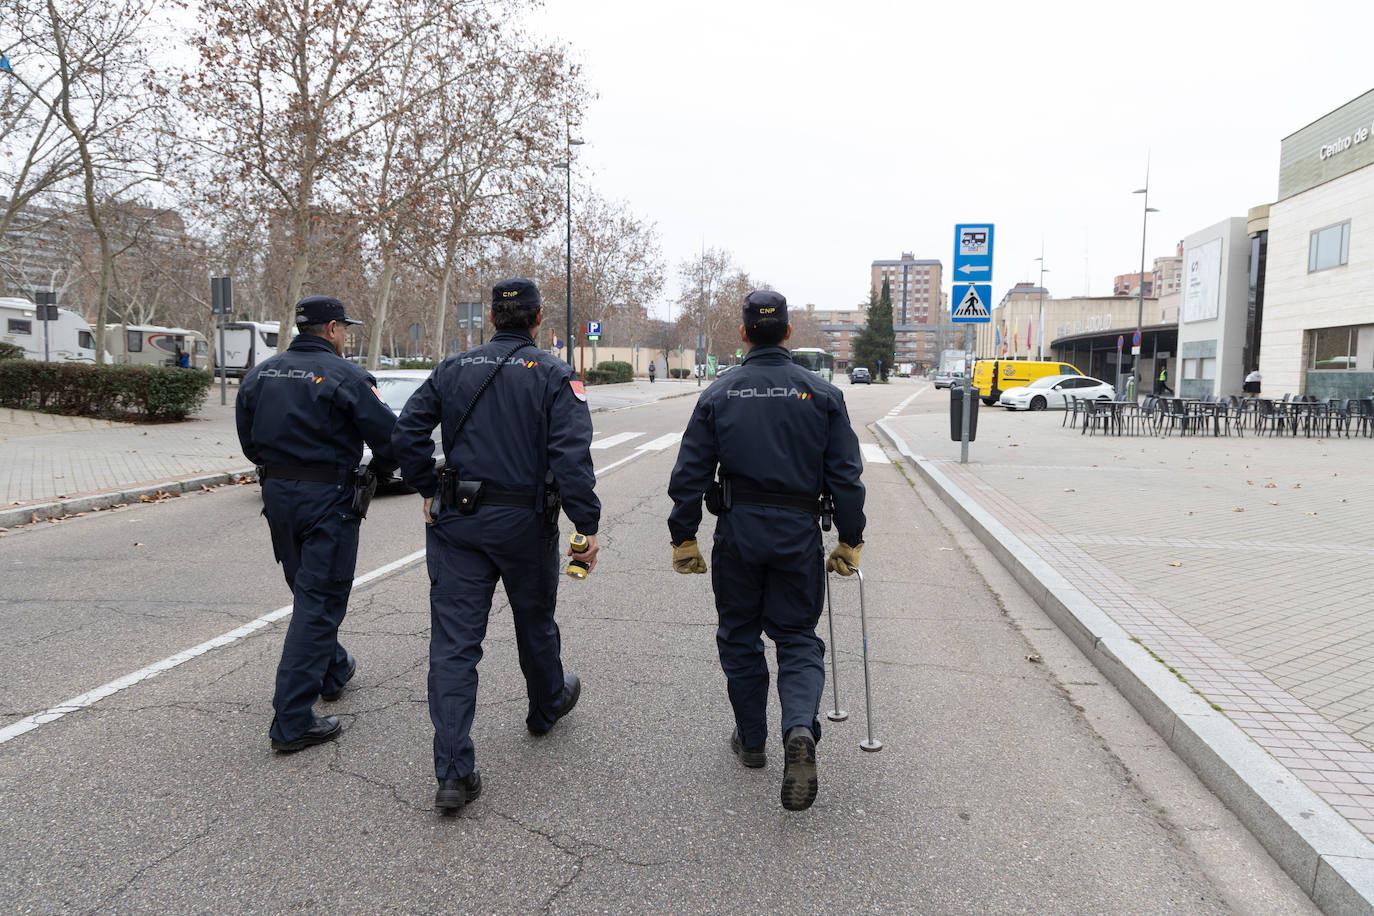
(871, 743)
(837, 714)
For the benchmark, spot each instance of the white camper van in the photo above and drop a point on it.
(148, 345)
(70, 338)
(246, 343)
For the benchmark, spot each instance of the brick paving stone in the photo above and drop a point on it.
(1265, 611)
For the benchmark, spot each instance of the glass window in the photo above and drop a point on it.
(1190, 368)
(1329, 247)
(19, 326)
(1207, 367)
(133, 341)
(269, 338)
(85, 340)
(1334, 348)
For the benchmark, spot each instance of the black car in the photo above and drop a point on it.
(860, 376)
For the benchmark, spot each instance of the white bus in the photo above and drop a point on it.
(70, 338)
(149, 345)
(818, 361)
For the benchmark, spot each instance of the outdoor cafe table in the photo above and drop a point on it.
(1307, 415)
(1116, 414)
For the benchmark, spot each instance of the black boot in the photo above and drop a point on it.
(572, 689)
(752, 757)
(799, 771)
(326, 729)
(453, 794)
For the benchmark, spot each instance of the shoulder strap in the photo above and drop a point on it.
(481, 389)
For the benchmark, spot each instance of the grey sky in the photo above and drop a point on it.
(811, 138)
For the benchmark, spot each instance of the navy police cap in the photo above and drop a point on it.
(321, 309)
(762, 304)
(515, 291)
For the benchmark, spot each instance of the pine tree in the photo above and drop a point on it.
(875, 344)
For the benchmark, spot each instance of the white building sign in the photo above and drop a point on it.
(1202, 281)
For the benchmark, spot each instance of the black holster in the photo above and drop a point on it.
(718, 496)
(364, 488)
(827, 510)
(553, 499)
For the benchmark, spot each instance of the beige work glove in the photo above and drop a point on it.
(687, 558)
(843, 559)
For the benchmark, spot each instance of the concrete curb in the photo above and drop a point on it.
(1320, 850)
(12, 516)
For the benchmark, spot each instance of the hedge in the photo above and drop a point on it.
(618, 370)
(82, 390)
(679, 373)
(11, 351)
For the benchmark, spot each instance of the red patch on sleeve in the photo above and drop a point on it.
(578, 389)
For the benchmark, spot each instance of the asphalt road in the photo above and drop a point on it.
(1006, 784)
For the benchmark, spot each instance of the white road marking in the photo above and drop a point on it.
(661, 443)
(900, 407)
(873, 452)
(610, 441)
(90, 698)
(656, 445)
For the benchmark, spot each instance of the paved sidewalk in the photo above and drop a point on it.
(1237, 566)
(52, 466)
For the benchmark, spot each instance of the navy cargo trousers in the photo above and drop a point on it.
(768, 574)
(466, 555)
(315, 539)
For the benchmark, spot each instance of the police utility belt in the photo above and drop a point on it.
(364, 484)
(467, 496)
(726, 493)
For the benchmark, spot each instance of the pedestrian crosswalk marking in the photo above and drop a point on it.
(660, 443)
(873, 452)
(617, 439)
(971, 306)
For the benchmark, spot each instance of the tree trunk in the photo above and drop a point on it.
(374, 346)
(443, 305)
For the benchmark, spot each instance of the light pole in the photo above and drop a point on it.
(1040, 344)
(701, 307)
(567, 342)
(1140, 299)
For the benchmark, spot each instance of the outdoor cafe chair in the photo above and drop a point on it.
(1148, 413)
(1362, 414)
(1338, 416)
(1269, 414)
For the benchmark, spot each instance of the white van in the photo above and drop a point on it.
(70, 338)
(149, 345)
(247, 343)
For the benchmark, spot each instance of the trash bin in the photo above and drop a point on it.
(956, 412)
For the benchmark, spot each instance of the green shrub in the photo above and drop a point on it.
(597, 377)
(617, 370)
(11, 351)
(679, 373)
(75, 389)
(415, 364)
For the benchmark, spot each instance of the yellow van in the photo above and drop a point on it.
(993, 376)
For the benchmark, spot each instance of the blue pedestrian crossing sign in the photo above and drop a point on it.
(593, 330)
(970, 303)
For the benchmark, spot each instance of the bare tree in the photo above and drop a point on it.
(617, 267)
(107, 100)
(288, 93)
(499, 128)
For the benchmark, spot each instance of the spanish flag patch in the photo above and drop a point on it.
(578, 389)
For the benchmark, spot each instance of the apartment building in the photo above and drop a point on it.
(922, 327)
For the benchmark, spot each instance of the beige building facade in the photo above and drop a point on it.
(1318, 316)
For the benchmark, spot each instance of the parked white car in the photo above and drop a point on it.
(1053, 392)
(396, 386)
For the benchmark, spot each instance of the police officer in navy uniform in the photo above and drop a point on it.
(780, 437)
(303, 416)
(525, 436)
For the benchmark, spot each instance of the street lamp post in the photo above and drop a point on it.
(567, 342)
(1040, 344)
(1140, 298)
